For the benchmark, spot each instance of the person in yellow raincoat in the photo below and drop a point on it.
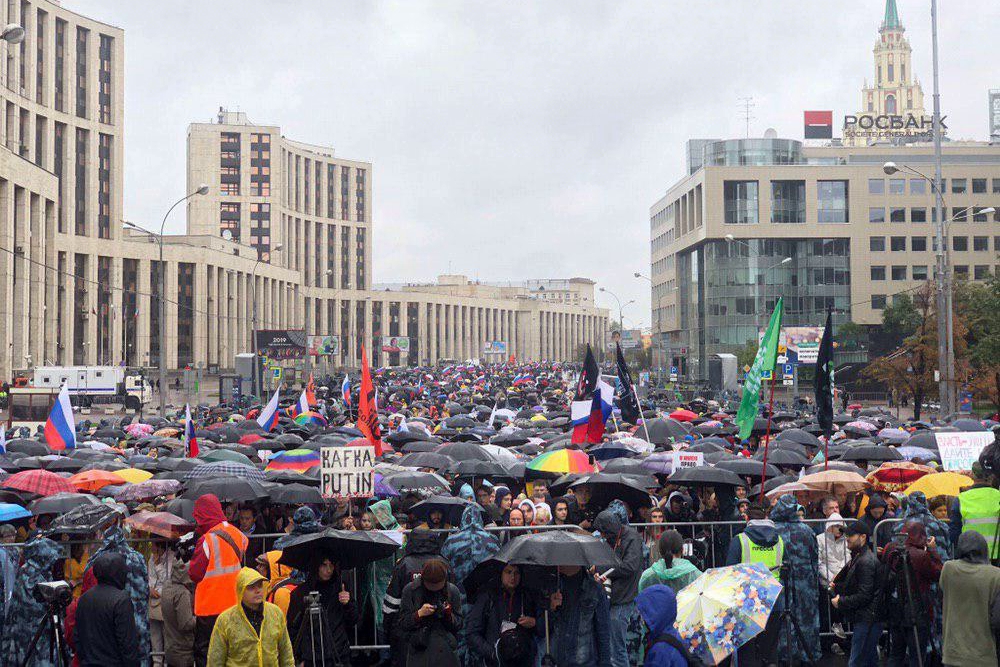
(252, 633)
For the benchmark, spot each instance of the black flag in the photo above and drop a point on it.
(588, 377)
(824, 378)
(628, 402)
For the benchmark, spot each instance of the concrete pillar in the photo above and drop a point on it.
(199, 318)
(170, 319)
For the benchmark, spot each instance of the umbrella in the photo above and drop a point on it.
(39, 482)
(93, 481)
(163, 524)
(683, 415)
(871, 453)
(86, 519)
(911, 453)
(60, 503)
(968, 425)
(664, 431)
(897, 475)
(661, 462)
(426, 460)
(895, 436)
(134, 475)
(10, 512)
(832, 481)
(464, 451)
(478, 469)
(29, 447)
(705, 476)
(862, 425)
(924, 440)
(940, 484)
(562, 461)
(605, 487)
(553, 548)
(217, 455)
(405, 482)
(182, 507)
(296, 494)
(349, 549)
(227, 489)
(310, 418)
(799, 436)
(771, 484)
(782, 457)
(151, 488)
(725, 608)
(298, 460)
(450, 506)
(748, 468)
(504, 456)
(225, 469)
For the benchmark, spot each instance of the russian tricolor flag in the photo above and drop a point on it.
(345, 389)
(190, 439)
(60, 430)
(268, 417)
(592, 403)
(300, 406)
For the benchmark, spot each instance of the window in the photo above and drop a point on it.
(958, 185)
(980, 243)
(788, 201)
(897, 186)
(890, 100)
(876, 186)
(878, 272)
(104, 79)
(957, 214)
(878, 301)
(229, 218)
(876, 243)
(260, 165)
(961, 272)
(960, 243)
(899, 272)
(81, 71)
(918, 186)
(740, 202)
(876, 214)
(890, 96)
(979, 214)
(897, 244)
(918, 243)
(919, 271)
(82, 137)
(897, 214)
(104, 151)
(979, 186)
(996, 186)
(60, 73)
(981, 272)
(918, 214)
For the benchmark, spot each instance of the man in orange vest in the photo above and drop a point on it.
(217, 560)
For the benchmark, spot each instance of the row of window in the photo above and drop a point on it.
(918, 186)
(980, 272)
(919, 243)
(877, 214)
(788, 202)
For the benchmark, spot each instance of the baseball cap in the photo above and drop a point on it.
(855, 528)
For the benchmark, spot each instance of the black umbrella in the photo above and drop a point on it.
(478, 469)
(625, 466)
(511, 439)
(664, 431)
(465, 451)
(748, 468)
(552, 548)
(922, 439)
(403, 437)
(782, 457)
(558, 486)
(871, 453)
(227, 489)
(705, 447)
(771, 484)
(426, 460)
(835, 465)
(26, 446)
(405, 482)
(800, 436)
(292, 477)
(705, 476)
(420, 446)
(65, 464)
(296, 494)
(605, 487)
(114, 433)
(85, 519)
(450, 506)
(182, 507)
(349, 549)
(968, 425)
(60, 503)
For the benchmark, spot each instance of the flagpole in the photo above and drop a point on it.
(767, 439)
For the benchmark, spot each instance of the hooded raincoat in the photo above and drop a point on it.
(25, 612)
(801, 592)
(658, 608)
(378, 574)
(679, 574)
(970, 587)
(105, 623)
(235, 642)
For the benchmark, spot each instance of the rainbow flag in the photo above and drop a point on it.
(297, 460)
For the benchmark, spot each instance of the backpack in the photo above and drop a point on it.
(691, 660)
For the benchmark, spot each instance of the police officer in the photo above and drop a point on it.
(978, 507)
(758, 543)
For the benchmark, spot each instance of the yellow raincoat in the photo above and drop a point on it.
(236, 644)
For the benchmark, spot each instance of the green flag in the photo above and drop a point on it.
(764, 360)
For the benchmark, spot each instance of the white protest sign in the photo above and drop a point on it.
(960, 450)
(688, 460)
(347, 472)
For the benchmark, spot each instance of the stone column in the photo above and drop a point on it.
(169, 354)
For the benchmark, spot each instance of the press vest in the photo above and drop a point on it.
(216, 592)
(770, 557)
(980, 508)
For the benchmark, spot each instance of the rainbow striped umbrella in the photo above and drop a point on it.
(310, 417)
(298, 460)
(563, 461)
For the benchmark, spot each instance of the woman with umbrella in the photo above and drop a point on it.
(325, 642)
(503, 622)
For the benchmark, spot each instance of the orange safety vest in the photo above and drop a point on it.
(216, 592)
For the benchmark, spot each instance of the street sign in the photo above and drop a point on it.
(746, 368)
(788, 382)
(782, 359)
(765, 375)
(276, 372)
(787, 371)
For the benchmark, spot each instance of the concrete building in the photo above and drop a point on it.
(80, 289)
(822, 226)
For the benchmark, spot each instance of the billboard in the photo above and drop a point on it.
(395, 344)
(281, 343)
(818, 125)
(799, 344)
(324, 346)
(995, 113)
(495, 347)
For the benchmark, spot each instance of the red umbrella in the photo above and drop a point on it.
(250, 438)
(683, 415)
(39, 482)
(163, 524)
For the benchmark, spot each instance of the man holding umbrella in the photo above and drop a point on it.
(627, 545)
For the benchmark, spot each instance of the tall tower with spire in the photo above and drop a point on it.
(894, 91)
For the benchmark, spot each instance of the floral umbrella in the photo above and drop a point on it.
(138, 430)
(897, 475)
(725, 608)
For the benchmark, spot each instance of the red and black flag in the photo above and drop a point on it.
(628, 402)
(824, 378)
(367, 410)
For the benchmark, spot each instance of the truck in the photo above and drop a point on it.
(96, 384)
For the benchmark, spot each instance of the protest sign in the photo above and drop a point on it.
(960, 450)
(688, 460)
(347, 472)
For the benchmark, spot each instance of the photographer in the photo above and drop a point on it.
(106, 634)
(912, 569)
(323, 640)
(503, 622)
(430, 618)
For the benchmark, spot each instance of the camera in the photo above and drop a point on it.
(184, 548)
(312, 599)
(54, 593)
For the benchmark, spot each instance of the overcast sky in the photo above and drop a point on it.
(517, 139)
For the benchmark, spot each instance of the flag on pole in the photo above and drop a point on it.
(300, 406)
(311, 392)
(60, 430)
(268, 417)
(3, 439)
(824, 378)
(592, 402)
(190, 439)
(345, 390)
(628, 402)
(367, 412)
(764, 361)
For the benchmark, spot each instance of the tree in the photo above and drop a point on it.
(746, 355)
(900, 320)
(980, 308)
(851, 336)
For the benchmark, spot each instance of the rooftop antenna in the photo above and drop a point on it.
(747, 105)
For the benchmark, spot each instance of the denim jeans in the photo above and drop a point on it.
(620, 614)
(864, 644)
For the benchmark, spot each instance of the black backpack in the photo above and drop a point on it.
(691, 660)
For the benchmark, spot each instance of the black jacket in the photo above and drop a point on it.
(858, 587)
(338, 619)
(421, 547)
(491, 609)
(105, 634)
(627, 546)
(431, 641)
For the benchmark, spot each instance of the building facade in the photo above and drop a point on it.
(80, 289)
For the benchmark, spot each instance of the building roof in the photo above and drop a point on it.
(891, 20)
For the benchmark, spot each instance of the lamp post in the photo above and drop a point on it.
(12, 33)
(621, 306)
(258, 373)
(202, 190)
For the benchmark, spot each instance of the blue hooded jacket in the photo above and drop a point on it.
(658, 608)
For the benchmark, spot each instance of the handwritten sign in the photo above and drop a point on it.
(960, 450)
(688, 460)
(347, 472)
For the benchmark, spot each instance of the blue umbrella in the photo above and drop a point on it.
(909, 453)
(10, 512)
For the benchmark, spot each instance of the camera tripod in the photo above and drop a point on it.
(315, 616)
(788, 623)
(51, 621)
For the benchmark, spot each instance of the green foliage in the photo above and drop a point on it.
(900, 320)
(746, 355)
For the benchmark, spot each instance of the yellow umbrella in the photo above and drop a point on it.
(940, 484)
(133, 475)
